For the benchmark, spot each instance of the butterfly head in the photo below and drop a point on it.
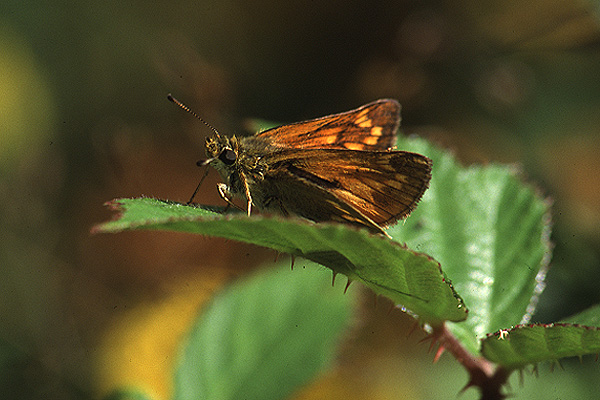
(221, 152)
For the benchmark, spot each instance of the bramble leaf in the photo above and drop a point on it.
(529, 344)
(489, 231)
(264, 336)
(388, 268)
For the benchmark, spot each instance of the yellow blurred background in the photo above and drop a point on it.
(84, 119)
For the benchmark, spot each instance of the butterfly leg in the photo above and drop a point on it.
(226, 195)
(248, 195)
(269, 203)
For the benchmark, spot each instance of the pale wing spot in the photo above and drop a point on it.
(362, 115)
(364, 123)
(398, 183)
(371, 140)
(354, 146)
(376, 131)
(331, 139)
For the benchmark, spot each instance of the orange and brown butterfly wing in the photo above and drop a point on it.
(370, 127)
(372, 189)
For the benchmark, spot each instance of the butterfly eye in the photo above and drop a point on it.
(228, 156)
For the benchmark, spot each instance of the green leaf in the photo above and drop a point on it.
(489, 231)
(264, 336)
(388, 268)
(589, 317)
(526, 344)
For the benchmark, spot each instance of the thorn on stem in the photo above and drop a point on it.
(438, 353)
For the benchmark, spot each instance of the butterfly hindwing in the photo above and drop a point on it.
(382, 187)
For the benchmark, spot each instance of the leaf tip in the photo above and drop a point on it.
(115, 205)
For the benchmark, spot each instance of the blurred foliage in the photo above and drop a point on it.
(84, 118)
(265, 336)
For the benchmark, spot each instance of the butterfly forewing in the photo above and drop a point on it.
(370, 127)
(382, 186)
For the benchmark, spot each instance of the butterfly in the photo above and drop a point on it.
(338, 168)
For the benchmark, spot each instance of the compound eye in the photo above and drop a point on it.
(228, 156)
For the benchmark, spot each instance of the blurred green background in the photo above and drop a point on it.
(84, 119)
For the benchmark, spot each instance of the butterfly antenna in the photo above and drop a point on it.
(186, 108)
